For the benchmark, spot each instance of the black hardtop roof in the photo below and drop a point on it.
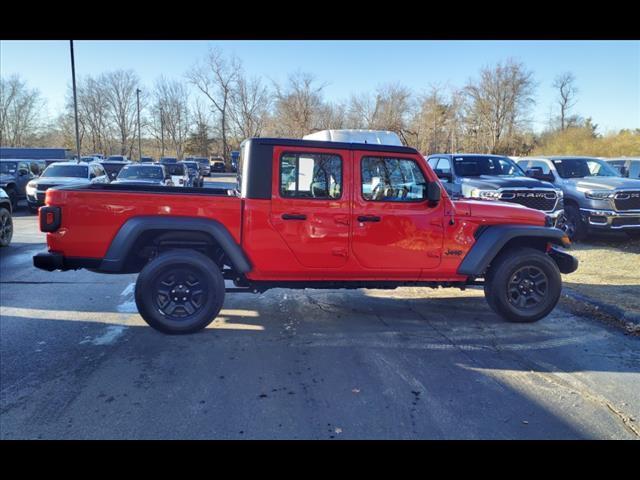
(296, 142)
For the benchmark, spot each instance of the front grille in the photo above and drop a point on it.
(629, 200)
(42, 187)
(626, 221)
(540, 200)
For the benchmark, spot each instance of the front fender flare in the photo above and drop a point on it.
(126, 237)
(495, 237)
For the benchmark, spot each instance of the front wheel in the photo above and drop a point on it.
(523, 285)
(574, 225)
(180, 291)
(6, 227)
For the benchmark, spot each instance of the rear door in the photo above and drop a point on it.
(310, 204)
(394, 227)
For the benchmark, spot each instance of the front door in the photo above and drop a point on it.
(310, 204)
(394, 227)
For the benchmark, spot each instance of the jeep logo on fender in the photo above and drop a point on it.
(453, 252)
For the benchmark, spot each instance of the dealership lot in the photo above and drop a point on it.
(77, 361)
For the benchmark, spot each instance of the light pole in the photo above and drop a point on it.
(75, 99)
(162, 130)
(139, 137)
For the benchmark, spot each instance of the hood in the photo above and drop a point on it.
(139, 181)
(604, 183)
(488, 212)
(6, 178)
(54, 181)
(492, 182)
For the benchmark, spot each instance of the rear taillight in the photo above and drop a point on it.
(50, 218)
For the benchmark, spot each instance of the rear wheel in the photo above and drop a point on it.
(574, 226)
(523, 285)
(6, 227)
(180, 291)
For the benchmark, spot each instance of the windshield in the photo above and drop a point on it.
(583, 167)
(80, 171)
(141, 172)
(470, 166)
(168, 160)
(8, 167)
(118, 158)
(175, 169)
(191, 165)
(112, 169)
(202, 160)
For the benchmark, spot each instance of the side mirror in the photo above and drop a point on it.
(22, 172)
(433, 192)
(624, 172)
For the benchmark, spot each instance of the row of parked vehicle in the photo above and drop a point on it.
(579, 194)
(30, 179)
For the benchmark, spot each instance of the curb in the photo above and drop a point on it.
(627, 320)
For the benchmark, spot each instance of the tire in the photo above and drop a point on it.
(523, 285)
(6, 227)
(575, 227)
(195, 280)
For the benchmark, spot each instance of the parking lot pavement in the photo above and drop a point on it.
(77, 361)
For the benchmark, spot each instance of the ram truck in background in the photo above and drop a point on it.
(596, 197)
(307, 214)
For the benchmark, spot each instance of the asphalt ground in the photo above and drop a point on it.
(78, 362)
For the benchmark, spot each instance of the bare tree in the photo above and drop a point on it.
(249, 107)
(389, 108)
(432, 122)
(297, 104)
(498, 104)
(200, 142)
(93, 110)
(20, 109)
(173, 98)
(216, 78)
(567, 91)
(120, 97)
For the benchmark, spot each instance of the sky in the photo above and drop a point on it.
(607, 72)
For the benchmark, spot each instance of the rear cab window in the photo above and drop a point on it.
(310, 175)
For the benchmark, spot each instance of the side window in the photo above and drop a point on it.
(444, 165)
(310, 175)
(433, 162)
(538, 164)
(392, 180)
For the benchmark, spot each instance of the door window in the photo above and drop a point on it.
(311, 176)
(392, 180)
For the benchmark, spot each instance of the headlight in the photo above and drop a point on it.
(560, 193)
(485, 194)
(31, 188)
(599, 194)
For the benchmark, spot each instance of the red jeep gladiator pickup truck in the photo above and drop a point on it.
(307, 214)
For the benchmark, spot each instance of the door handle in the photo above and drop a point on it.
(293, 216)
(368, 218)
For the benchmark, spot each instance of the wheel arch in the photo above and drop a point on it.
(495, 239)
(137, 231)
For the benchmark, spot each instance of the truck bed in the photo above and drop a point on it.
(91, 215)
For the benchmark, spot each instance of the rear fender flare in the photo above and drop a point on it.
(125, 239)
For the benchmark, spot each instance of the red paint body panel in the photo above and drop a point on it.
(91, 219)
(412, 241)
